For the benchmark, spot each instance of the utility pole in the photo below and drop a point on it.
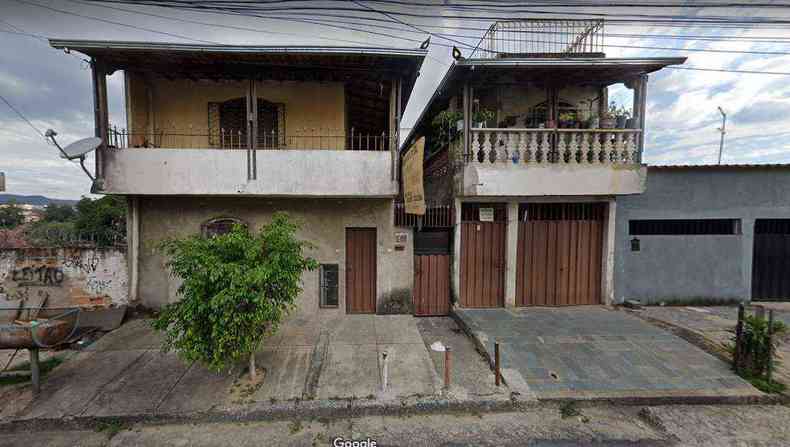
(723, 130)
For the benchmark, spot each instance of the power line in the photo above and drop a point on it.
(11, 106)
(112, 22)
(725, 70)
(19, 31)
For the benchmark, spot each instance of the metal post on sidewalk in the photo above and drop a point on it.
(769, 367)
(35, 375)
(736, 357)
(384, 372)
(497, 373)
(447, 366)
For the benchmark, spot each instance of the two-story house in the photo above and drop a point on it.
(523, 142)
(217, 135)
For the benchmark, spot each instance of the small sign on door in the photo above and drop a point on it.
(486, 214)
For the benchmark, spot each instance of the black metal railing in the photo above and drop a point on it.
(531, 37)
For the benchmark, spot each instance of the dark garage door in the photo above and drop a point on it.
(483, 255)
(771, 262)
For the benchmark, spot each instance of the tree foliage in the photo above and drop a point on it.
(11, 215)
(237, 288)
(103, 217)
(58, 213)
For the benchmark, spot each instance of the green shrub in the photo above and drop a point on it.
(237, 288)
(755, 355)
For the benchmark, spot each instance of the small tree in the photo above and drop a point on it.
(237, 288)
(11, 215)
(59, 213)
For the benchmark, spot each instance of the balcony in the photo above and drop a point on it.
(196, 162)
(548, 162)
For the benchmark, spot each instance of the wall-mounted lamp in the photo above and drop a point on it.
(635, 246)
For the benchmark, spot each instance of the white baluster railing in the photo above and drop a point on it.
(554, 146)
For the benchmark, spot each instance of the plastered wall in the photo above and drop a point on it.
(65, 276)
(323, 221)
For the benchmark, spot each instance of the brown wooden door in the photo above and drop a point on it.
(360, 270)
(431, 285)
(482, 264)
(559, 255)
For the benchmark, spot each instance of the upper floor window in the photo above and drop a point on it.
(220, 225)
(227, 123)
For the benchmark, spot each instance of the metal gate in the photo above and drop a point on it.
(560, 250)
(482, 262)
(360, 270)
(431, 294)
(771, 260)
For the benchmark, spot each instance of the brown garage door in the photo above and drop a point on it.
(483, 255)
(360, 270)
(560, 249)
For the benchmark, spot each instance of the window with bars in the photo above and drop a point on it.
(230, 118)
(220, 225)
(669, 227)
(328, 284)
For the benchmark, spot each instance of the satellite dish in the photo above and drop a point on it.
(79, 148)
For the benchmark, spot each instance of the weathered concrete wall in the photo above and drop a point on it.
(696, 266)
(316, 108)
(67, 276)
(508, 179)
(303, 173)
(324, 222)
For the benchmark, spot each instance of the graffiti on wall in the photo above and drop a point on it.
(66, 276)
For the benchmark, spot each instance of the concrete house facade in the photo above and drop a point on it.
(217, 135)
(523, 145)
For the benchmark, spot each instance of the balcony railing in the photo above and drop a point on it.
(555, 146)
(541, 37)
(196, 138)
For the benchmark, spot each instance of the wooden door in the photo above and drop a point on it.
(559, 254)
(360, 270)
(771, 260)
(482, 263)
(431, 285)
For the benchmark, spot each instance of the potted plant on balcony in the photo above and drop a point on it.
(445, 128)
(593, 122)
(622, 117)
(609, 118)
(567, 120)
(482, 117)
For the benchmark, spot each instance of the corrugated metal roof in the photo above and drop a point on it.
(724, 166)
(84, 46)
(659, 62)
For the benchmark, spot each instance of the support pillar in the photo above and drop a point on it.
(100, 117)
(610, 245)
(456, 271)
(133, 246)
(511, 254)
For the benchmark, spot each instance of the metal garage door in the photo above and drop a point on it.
(771, 263)
(483, 229)
(431, 293)
(560, 252)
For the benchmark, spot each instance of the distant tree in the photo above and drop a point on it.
(11, 215)
(237, 287)
(59, 213)
(103, 219)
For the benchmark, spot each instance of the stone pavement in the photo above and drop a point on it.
(716, 325)
(596, 352)
(125, 374)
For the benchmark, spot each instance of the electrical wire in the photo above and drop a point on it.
(21, 115)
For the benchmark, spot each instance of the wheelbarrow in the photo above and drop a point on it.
(37, 328)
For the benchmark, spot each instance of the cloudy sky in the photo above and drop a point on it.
(52, 88)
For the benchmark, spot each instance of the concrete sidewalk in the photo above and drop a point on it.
(714, 326)
(337, 358)
(593, 352)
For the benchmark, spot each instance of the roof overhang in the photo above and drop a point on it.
(238, 61)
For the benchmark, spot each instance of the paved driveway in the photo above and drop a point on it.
(593, 352)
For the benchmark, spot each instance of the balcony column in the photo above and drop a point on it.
(511, 254)
(100, 116)
(467, 103)
(642, 113)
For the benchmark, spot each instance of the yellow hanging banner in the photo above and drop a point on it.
(413, 190)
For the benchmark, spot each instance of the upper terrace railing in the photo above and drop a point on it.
(203, 138)
(536, 37)
(555, 146)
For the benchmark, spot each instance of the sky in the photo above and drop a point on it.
(53, 89)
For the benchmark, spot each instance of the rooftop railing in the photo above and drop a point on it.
(541, 37)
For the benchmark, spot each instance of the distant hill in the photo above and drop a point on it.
(34, 200)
